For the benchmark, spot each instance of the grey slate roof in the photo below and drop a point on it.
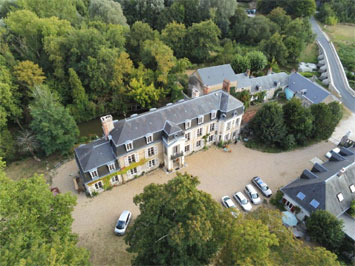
(313, 93)
(94, 154)
(325, 187)
(100, 152)
(154, 121)
(216, 74)
(265, 82)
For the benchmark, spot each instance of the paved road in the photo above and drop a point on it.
(347, 99)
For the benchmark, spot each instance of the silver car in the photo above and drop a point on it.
(122, 222)
(260, 184)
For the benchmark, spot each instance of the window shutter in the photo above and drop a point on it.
(126, 161)
(155, 150)
(208, 128)
(146, 153)
(137, 157)
(147, 164)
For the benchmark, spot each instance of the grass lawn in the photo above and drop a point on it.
(310, 53)
(344, 33)
(28, 167)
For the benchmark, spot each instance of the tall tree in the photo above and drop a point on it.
(145, 95)
(240, 63)
(326, 229)
(268, 124)
(53, 126)
(178, 224)
(298, 120)
(29, 74)
(257, 59)
(35, 225)
(279, 16)
(174, 35)
(203, 37)
(324, 121)
(107, 11)
(275, 48)
(27, 142)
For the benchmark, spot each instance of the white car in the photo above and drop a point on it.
(329, 153)
(242, 200)
(229, 204)
(260, 184)
(122, 222)
(252, 194)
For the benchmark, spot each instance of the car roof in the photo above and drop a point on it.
(230, 202)
(124, 215)
(251, 188)
(241, 195)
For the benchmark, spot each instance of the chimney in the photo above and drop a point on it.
(205, 90)
(195, 93)
(247, 73)
(269, 71)
(293, 70)
(107, 124)
(226, 85)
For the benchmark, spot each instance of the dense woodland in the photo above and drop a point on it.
(81, 59)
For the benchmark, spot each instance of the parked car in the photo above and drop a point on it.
(329, 153)
(122, 222)
(242, 200)
(228, 203)
(260, 184)
(252, 194)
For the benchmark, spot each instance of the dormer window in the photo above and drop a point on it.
(352, 188)
(235, 113)
(129, 146)
(340, 197)
(111, 167)
(187, 124)
(200, 119)
(213, 114)
(149, 138)
(94, 173)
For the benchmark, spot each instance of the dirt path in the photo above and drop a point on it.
(221, 173)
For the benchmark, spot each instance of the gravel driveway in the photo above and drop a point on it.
(221, 173)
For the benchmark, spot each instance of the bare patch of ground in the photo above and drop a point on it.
(221, 173)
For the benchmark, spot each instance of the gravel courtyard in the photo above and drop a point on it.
(220, 173)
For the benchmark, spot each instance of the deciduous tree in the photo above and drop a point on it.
(326, 229)
(29, 74)
(178, 224)
(174, 35)
(143, 94)
(275, 48)
(240, 63)
(53, 126)
(35, 225)
(257, 59)
(108, 11)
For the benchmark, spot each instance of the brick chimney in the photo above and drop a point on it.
(205, 90)
(226, 85)
(107, 124)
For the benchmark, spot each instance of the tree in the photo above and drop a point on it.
(294, 48)
(243, 96)
(280, 18)
(327, 15)
(53, 126)
(139, 33)
(258, 60)
(268, 124)
(158, 57)
(298, 120)
(27, 142)
(29, 74)
(240, 64)
(108, 11)
(174, 35)
(203, 37)
(36, 226)
(144, 95)
(178, 224)
(248, 243)
(326, 229)
(275, 48)
(289, 248)
(7, 145)
(325, 120)
(295, 8)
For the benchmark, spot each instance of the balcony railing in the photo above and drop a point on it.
(177, 155)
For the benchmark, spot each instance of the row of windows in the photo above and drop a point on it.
(200, 119)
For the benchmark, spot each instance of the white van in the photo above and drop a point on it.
(252, 194)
